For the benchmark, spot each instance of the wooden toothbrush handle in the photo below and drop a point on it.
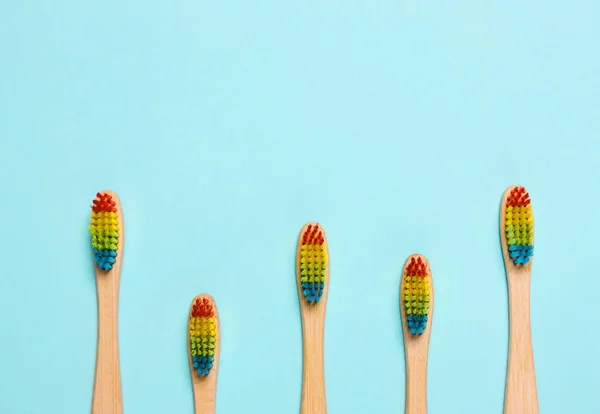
(107, 397)
(205, 397)
(313, 383)
(521, 393)
(205, 392)
(416, 385)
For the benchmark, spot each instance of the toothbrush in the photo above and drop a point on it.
(203, 350)
(416, 309)
(107, 236)
(312, 269)
(516, 233)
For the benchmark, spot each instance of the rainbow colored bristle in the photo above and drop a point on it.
(313, 263)
(203, 337)
(104, 230)
(416, 295)
(519, 226)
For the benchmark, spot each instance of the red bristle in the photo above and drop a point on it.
(416, 267)
(306, 235)
(410, 266)
(202, 307)
(104, 203)
(518, 197)
(313, 235)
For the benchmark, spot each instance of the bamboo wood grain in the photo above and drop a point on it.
(416, 348)
(107, 398)
(205, 388)
(313, 329)
(521, 393)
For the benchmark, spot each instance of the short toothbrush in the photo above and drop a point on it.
(203, 350)
(416, 308)
(516, 233)
(107, 234)
(312, 269)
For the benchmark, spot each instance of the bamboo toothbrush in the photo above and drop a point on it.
(312, 269)
(416, 292)
(203, 350)
(516, 233)
(107, 234)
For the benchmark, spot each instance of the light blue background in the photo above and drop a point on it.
(225, 126)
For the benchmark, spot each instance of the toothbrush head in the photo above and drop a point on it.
(104, 230)
(416, 294)
(202, 335)
(313, 263)
(518, 226)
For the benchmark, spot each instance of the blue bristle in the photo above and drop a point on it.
(521, 254)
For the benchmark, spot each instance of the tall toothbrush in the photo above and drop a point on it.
(312, 269)
(204, 340)
(107, 234)
(416, 308)
(516, 233)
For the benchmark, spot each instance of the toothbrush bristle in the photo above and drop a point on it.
(416, 295)
(313, 263)
(203, 337)
(104, 230)
(518, 226)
